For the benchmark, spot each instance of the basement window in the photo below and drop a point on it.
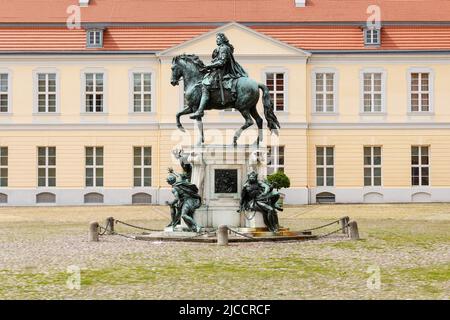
(372, 37)
(325, 197)
(94, 38)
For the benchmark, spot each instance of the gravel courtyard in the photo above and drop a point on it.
(408, 244)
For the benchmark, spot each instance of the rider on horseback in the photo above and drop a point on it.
(223, 69)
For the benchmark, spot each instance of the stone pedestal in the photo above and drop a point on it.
(219, 172)
(253, 220)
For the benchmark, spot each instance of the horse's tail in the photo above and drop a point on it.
(272, 121)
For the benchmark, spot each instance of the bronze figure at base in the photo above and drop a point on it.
(186, 201)
(259, 196)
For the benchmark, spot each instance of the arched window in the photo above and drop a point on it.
(141, 198)
(45, 197)
(373, 197)
(421, 197)
(325, 197)
(93, 197)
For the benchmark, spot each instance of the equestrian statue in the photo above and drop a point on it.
(221, 85)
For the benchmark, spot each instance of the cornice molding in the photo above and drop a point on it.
(220, 125)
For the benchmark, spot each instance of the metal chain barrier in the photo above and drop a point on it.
(124, 235)
(240, 234)
(104, 230)
(247, 217)
(333, 232)
(320, 227)
(203, 233)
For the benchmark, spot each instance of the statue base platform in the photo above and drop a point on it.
(219, 171)
(254, 235)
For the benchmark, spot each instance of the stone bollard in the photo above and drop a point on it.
(344, 223)
(93, 232)
(354, 233)
(222, 235)
(110, 225)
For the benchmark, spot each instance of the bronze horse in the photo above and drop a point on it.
(192, 70)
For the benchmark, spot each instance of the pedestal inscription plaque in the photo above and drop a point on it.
(225, 181)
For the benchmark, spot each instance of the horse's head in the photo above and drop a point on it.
(188, 65)
(177, 72)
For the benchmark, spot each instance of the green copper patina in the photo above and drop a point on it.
(221, 73)
(223, 84)
(260, 196)
(186, 201)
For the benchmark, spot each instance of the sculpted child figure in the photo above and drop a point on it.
(260, 196)
(186, 201)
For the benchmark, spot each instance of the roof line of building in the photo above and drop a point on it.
(145, 52)
(66, 52)
(437, 51)
(202, 24)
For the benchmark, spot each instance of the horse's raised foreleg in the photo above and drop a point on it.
(248, 123)
(186, 110)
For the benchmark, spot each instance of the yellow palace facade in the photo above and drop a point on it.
(99, 127)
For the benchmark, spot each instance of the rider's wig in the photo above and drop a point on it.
(225, 40)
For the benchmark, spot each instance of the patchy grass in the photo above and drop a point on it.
(410, 244)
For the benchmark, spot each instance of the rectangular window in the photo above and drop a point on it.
(372, 166)
(46, 166)
(4, 92)
(94, 166)
(46, 92)
(142, 96)
(324, 92)
(94, 38)
(372, 36)
(275, 159)
(94, 92)
(275, 82)
(142, 166)
(420, 166)
(325, 166)
(373, 92)
(420, 92)
(3, 166)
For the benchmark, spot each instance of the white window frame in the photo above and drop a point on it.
(335, 91)
(372, 166)
(430, 90)
(371, 31)
(94, 167)
(152, 90)
(325, 166)
(285, 90)
(99, 38)
(383, 90)
(46, 166)
(8, 92)
(84, 72)
(276, 156)
(36, 92)
(142, 166)
(4, 166)
(420, 166)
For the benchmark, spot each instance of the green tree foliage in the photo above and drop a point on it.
(279, 180)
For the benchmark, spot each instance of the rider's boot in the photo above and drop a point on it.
(205, 97)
